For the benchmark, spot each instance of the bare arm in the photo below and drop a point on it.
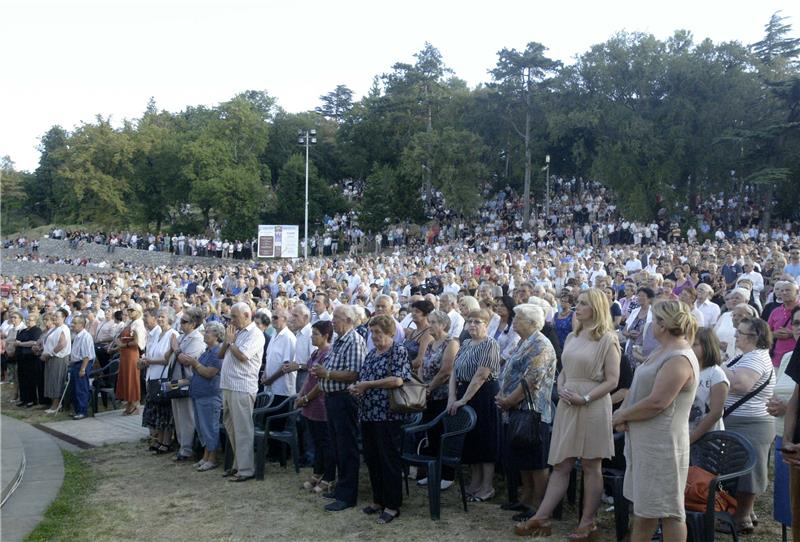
(742, 379)
(716, 405)
(424, 341)
(671, 379)
(447, 366)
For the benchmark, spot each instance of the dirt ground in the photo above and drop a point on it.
(144, 497)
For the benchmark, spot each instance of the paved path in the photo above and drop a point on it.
(42, 476)
(105, 428)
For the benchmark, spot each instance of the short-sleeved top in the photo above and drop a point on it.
(374, 404)
(760, 362)
(707, 379)
(563, 328)
(158, 343)
(485, 353)
(315, 409)
(243, 376)
(25, 335)
(347, 354)
(793, 372)
(780, 318)
(200, 386)
(533, 359)
(432, 364)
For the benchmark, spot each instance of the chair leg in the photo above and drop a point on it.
(434, 490)
(405, 476)
(260, 457)
(460, 473)
(228, 454)
(295, 449)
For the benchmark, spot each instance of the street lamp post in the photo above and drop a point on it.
(547, 188)
(307, 137)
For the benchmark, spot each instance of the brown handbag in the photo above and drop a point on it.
(412, 396)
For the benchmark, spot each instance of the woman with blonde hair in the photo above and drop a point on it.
(582, 425)
(655, 415)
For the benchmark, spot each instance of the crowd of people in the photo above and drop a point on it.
(656, 343)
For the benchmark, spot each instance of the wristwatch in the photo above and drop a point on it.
(587, 399)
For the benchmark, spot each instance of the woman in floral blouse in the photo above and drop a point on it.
(384, 368)
(534, 361)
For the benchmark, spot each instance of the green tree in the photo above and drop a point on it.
(13, 198)
(291, 190)
(521, 75)
(336, 103)
(46, 187)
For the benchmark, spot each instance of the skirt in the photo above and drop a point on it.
(157, 416)
(760, 431)
(528, 459)
(481, 444)
(55, 376)
(128, 389)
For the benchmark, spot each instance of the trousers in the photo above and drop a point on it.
(343, 428)
(237, 417)
(80, 386)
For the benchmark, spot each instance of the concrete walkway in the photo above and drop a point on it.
(42, 473)
(105, 428)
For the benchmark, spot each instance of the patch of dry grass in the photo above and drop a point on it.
(144, 497)
(32, 415)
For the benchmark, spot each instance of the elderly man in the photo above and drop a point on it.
(281, 350)
(707, 308)
(81, 359)
(341, 369)
(448, 303)
(241, 360)
(383, 306)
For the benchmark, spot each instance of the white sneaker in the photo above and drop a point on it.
(50, 411)
(446, 484)
(423, 482)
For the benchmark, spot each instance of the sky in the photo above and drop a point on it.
(67, 61)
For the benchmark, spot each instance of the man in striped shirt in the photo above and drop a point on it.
(339, 371)
(241, 353)
(80, 365)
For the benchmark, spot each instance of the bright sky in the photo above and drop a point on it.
(67, 61)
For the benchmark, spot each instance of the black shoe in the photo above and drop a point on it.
(329, 495)
(525, 515)
(19, 404)
(513, 506)
(338, 506)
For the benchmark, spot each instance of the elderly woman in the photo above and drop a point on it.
(582, 425)
(384, 368)
(435, 372)
(57, 348)
(739, 313)
(473, 382)
(129, 343)
(654, 414)
(311, 400)
(157, 416)
(29, 366)
(204, 390)
(466, 305)
(532, 361)
(192, 344)
(752, 379)
(725, 328)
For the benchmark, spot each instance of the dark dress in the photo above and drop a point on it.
(30, 368)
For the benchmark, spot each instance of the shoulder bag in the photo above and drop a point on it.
(154, 393)
(412, 396)
(523, 425)
(177, 392)
(743, 400)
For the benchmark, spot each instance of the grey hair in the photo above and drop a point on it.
(169, 312)
(449, 297)
(532, 312)
(349, 312)
(78, 317)
(705, 287)
(471, 302)
(195, 315)
(217, 329)
(242, 307)
(751, 311)
(302, 309)
(441, 318)
(381, 297)
(539, 302)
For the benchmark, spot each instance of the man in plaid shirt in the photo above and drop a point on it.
(339, 371)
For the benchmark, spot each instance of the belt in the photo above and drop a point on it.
(333, 393)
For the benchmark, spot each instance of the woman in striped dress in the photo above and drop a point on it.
(473, 382)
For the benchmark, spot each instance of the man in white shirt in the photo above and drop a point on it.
(80, 365)
(241, 352)
(321, 305)
(708, 309)
(281, 349)
(755, 278)
(300, 324)
(448, 303)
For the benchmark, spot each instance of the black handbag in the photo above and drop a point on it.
(177, 392)
(154, 393)
(523, 425)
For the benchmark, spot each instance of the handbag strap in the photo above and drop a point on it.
(747, 397)
(528, 396)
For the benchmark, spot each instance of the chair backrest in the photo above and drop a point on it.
(724, 453)
(455, 431)
(263, 399)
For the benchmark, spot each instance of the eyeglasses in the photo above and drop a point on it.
(796, 322)
(738, 333)
(475, 322)
(184, 321)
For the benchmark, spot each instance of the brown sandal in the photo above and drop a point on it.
(534, 527)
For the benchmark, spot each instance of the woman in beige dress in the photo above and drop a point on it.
(656, 417)
(582, 425)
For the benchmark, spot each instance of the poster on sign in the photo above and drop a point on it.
(278, 241)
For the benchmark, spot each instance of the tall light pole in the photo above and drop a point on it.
(547, 189)
(306, 137)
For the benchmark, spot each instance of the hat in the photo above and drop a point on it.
(135, 306)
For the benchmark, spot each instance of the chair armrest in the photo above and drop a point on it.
(411, 429)
(270, 419)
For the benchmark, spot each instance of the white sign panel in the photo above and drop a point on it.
(278, 241)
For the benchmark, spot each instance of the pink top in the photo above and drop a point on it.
(315, 409)
(779, 318)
